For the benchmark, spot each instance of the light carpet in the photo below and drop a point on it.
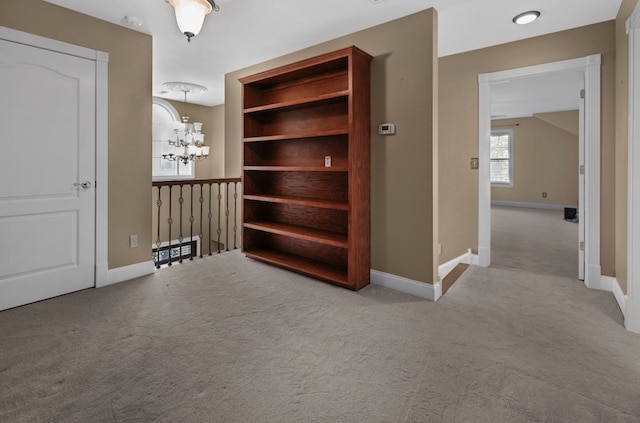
(534, 240)
(229, 339)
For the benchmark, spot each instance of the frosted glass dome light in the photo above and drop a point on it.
(190, 14)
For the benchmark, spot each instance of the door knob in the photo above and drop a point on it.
(83, 185)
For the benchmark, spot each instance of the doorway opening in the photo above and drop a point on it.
(534, 162)
(589, 158)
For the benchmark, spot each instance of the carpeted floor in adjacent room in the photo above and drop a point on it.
(534, 240)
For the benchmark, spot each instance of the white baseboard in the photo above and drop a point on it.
(632, 314)
(468, 258)
(126, 273)
(408, 286)
(531, 205)
(607, 283)
(593, 277)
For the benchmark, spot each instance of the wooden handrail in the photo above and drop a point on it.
(194, 182)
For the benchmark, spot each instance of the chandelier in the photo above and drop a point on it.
(189, 143)
(190, 14)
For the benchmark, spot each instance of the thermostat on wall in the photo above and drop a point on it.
(386, 129)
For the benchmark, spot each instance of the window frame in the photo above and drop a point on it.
(500, 132)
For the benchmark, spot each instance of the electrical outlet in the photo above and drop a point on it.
(544, 195)
(133, 241)
(474, 163)
(327, 161)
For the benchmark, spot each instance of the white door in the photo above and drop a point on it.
(47, 174)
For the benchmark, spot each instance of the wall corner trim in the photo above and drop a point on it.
(126, 273)
(406, 285)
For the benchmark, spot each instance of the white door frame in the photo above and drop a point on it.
(590, 65)
(581, 185)
(632, 304)
(101, 59)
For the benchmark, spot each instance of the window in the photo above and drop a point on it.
(165, 120)
(501, 155)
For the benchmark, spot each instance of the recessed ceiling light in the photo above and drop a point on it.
(526, 17)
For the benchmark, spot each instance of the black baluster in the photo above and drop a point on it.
(201, 220)
(210, 216)
(219, 230)
(158, 240)
(235, 215)
(226, 213)
(170, 222)
(180, 237)
(191, 219)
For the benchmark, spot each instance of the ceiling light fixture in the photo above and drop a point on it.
(526, 17)
(189, 144)
(190, 14)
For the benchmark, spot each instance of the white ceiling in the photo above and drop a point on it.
(246, 32)
(545, 93)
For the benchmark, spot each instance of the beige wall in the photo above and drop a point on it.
(458, 136)
(622, 87)
(405, 219)
(130, 61)
(567, 120)
(403, 91)
(545, 159)
(216, 132)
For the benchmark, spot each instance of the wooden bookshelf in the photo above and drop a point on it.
(306, 167)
